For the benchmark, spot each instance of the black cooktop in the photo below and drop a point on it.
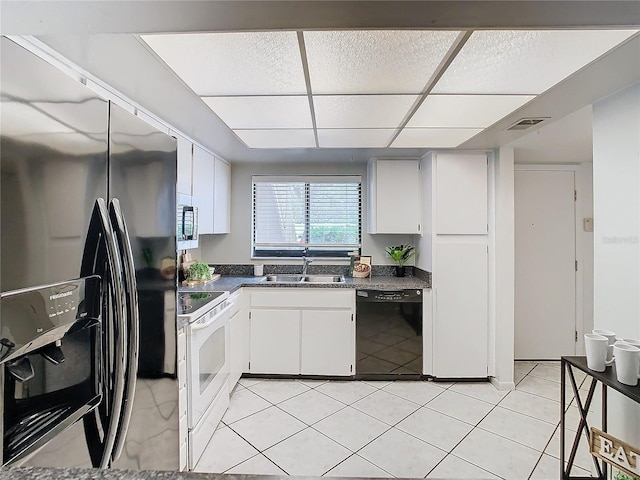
(189, 302)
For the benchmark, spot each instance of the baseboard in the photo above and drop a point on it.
(502, 385)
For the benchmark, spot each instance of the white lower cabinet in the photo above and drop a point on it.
(238, 338)
(303, 331)
(275, 341)
(326, 342)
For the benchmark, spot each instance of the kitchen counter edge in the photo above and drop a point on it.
(39, 473)
(379, 282)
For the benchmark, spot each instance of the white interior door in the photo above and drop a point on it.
(545, 254)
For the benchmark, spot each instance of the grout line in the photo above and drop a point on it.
(535, 466)
(317, 421)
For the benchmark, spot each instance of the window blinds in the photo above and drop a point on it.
(316, 216)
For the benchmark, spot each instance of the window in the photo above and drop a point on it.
(317, 216)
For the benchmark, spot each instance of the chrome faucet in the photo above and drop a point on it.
(305, 264)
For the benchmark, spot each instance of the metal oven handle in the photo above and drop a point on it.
(201, 326)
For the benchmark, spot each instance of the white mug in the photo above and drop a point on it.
(629, 341)
(596, 349)
(627, 363)
(258, 270)
(611, 337)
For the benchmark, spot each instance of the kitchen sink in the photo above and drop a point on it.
(324, 279)
(305, 278)
(285, 278)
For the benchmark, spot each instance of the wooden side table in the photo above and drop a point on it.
(607, 379)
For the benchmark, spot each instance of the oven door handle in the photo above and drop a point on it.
(201, 326)
(130, 323)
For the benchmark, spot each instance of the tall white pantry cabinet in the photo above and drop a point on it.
(457, 242)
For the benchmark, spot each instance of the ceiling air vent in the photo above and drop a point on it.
(525, 123)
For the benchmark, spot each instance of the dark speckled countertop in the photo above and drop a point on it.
(377, 282)
(33, 473)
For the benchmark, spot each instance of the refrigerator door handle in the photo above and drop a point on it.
(100, 247)
(131, 322)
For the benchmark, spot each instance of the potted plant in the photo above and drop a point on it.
(199, 271)
(400, 254)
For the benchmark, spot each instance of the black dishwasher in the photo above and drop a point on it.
(388, 334)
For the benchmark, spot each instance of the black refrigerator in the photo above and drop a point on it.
(88, 190)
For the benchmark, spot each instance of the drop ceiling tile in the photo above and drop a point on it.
(433, 137)
(380, 61)
(523, 61)
(355, 138)
(236, 63)
(302, 138)
(262, 112)
(470, 111)
(361, 111)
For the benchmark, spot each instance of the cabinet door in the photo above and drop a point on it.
(185, 165)
(275, 341)
(236, 350)
(222, 197)
(396, 197)
(238, 338)
(327, 342)
(203, 184)
(461, 194)
(461, 318)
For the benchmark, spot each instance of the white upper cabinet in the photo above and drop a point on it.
(222, 197)
(461, 194)
(395, 196)
(203, 188)
(185, 165)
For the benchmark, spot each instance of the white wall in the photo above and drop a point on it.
(235, 247)
(616, 195)
(502, 328)
(584, 247)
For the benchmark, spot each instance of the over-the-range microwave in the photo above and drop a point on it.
(187, 223)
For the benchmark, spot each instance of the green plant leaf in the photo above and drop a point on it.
(401, 253)
(199, 271)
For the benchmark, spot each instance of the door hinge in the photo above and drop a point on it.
(576, 335)
(352, 317)
(575, 195)
(576, 265)
(249, 315)
(249, 365)
(418, 227)
(351, 368)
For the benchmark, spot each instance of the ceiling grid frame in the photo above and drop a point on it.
(462, 39)
(441, 69)
(307, 80)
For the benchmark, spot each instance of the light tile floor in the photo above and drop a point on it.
(398, 429)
